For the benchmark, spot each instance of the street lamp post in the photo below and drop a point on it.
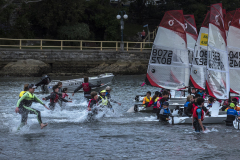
(121, 16)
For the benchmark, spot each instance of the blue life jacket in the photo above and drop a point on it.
(210, 105)
(186, 104)
(232, 112)
(201, 94)
(166, 111)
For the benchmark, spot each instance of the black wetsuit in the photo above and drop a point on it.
(24, 105)
(54, 98)
(87, 94)
(188, 111)
(44, 81)
(110, 100)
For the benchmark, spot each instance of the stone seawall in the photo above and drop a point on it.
(86, 61)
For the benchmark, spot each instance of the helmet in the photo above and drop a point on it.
(232, 105)
(103, 91)
(108, 88)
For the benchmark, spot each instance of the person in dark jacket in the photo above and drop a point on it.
(193, 104)
(45, 80)
(54, 98)
(87, 88)
(165, 112)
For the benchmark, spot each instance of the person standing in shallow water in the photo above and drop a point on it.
(87, 88)
(24, 106)
(25, 89)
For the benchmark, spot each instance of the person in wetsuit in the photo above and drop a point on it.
(108, 90)
(198, 116)
(103, 100)
(24, 106)
(54, 98)
(161, 100)
(87, 88)
(147, 99)
(165, 112)
(45, 80)
(192, 105)
(25, 89)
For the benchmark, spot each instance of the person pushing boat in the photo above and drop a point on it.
(165, 112)
(87, 88)
(24, 107)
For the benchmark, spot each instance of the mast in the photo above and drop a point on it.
(199, 63)
(217, 80)
(233, 42)
(168, 65)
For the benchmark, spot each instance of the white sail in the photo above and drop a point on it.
(192, 35)
(168, 65)
(218, 85)
(233, 45)
(199, 63)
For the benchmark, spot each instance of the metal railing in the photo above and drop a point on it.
(74, 44)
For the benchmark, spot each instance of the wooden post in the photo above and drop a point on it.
(61, 45)
(80, 45)
(101, 45)
(141, 46)
(127, 46)
(20, 44)
(116, 46)
(41, 44)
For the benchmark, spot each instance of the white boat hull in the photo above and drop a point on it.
(207, 120)
(74, 83)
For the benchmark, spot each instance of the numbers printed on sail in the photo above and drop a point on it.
(234, 59)
(201, 57)
(215, 61)
(162, 56)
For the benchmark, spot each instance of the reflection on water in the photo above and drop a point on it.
(117, 135)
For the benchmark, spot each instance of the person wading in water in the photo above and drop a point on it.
(24, 106)
(87, 88)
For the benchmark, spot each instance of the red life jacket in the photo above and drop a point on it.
(195, 114)
(86, 87)
(193, 107)
(158, 103)
(56, 99)
(90, 102)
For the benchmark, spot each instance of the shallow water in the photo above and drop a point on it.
(118, 135)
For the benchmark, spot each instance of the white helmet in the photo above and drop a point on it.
(108, 88)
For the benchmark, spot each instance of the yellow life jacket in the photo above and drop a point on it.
(146, 100)
(156, 99)
(30, 97)
(22, 93)
(104, 100)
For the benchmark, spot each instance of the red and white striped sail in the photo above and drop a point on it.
(199, 63)
(227, 20)
(168, 65)
(217, 82)
(233, 45)
(192, 35)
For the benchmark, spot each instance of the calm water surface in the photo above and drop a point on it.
(118, 135)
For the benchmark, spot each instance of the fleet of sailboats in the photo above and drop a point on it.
(208, 61)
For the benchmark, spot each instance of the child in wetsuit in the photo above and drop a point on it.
(54, 97)
(164, 112)
(65, 95)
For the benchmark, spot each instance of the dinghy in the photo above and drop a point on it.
(74, 83)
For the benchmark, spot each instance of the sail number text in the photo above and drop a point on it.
(162, 56)
(201, 57)
(234, 59)
(215, 61)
